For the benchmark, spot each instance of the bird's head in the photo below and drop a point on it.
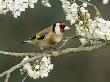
(60, 27)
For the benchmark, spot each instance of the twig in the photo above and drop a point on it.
(24, 78)
(66, 40)
(8, 72)
(16, 54)
(96, 9)
(7, 77)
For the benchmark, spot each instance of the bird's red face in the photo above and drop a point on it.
(60, 27)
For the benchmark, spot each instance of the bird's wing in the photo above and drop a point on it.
(45, 31)
(41, 35)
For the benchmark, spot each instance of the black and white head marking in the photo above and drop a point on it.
(56, 28)
(53, 27)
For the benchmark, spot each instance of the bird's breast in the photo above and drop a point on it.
(55, 38)
(58, 38)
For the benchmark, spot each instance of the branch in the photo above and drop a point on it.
(55, 53)
(8, 72)
(40, 55)
(67, 40)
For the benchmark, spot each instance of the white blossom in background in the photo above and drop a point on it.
(102, 30)
(71, 11)
(74, 13)
(39, 68)
(84, 4)
(91, 31)
(105, 2)
(17, 6)
(97, 29)
(46, 3)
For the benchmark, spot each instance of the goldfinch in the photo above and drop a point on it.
(49, 36)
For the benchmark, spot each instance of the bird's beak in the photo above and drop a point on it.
(66, 28)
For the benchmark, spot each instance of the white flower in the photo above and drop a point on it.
(16, 13)
(84, 4)
(97, 29)
(37, 67)
(71, 11)
(17, 6)
(83, 41)
(105, 2)
(40, 69)
(46, 3)
(82, 9)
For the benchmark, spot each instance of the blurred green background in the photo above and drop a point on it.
(91, 66)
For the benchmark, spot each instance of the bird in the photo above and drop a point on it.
(49, 36)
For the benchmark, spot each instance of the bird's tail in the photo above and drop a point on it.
(23, 42)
